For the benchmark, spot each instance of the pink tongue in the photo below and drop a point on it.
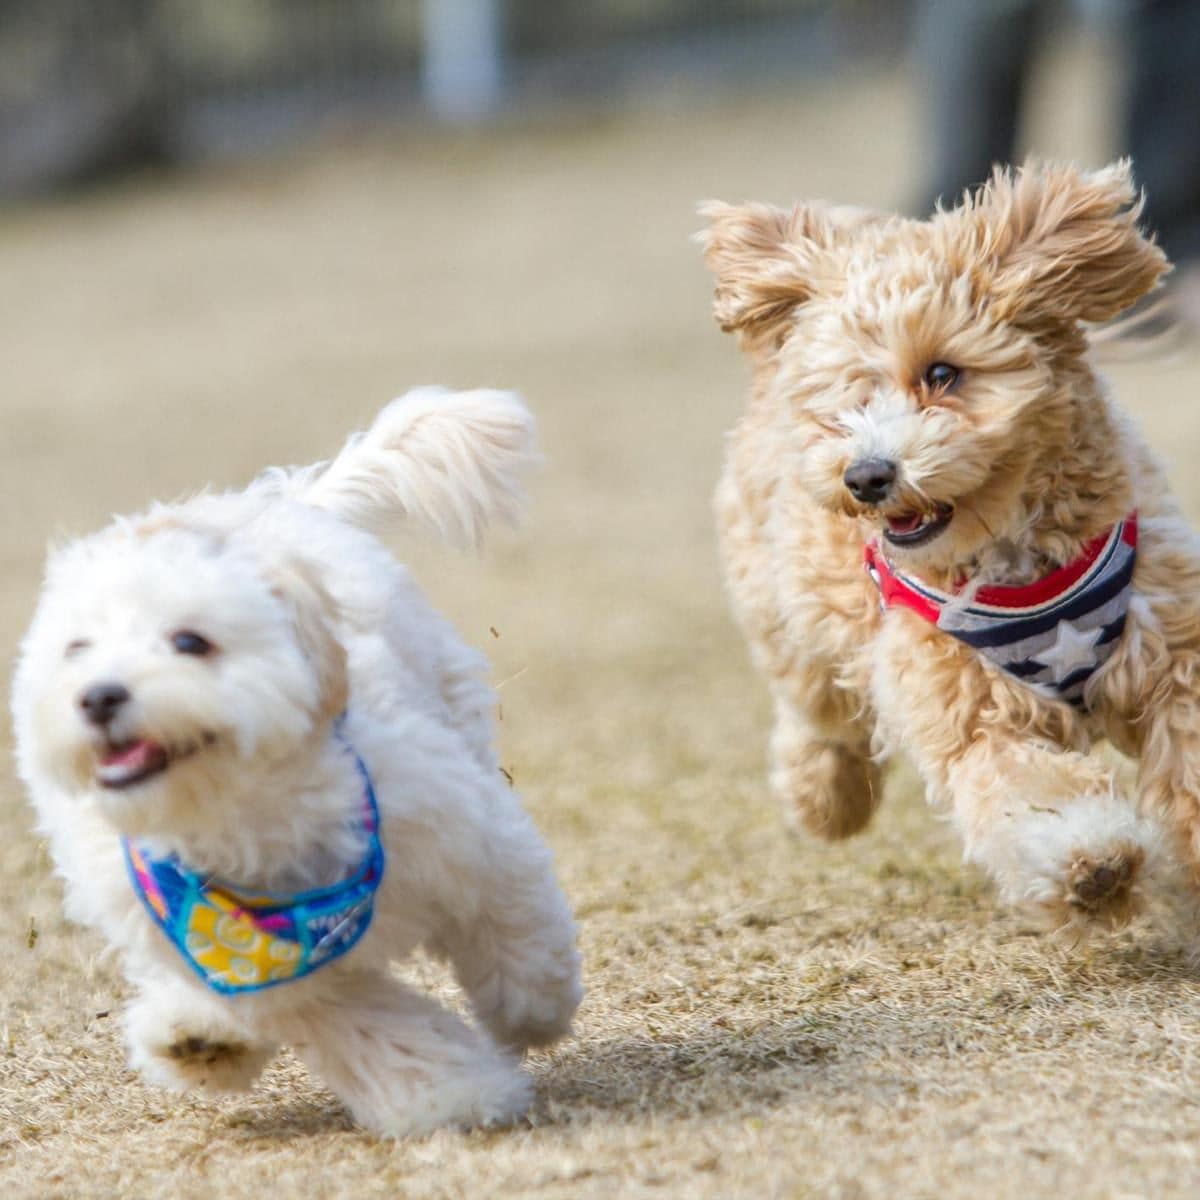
(137, 756)
(904, 524)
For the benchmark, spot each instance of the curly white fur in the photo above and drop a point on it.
(308, 616)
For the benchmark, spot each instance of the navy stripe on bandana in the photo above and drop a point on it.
(1053, 635)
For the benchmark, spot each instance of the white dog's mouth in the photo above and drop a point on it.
(917, 528)
(129, 763)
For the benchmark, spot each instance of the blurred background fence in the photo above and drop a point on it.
(89, 86)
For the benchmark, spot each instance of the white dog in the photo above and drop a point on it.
(264, 766)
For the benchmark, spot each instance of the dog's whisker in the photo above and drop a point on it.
(979, 517)
(510, 678)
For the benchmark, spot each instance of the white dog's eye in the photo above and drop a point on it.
(941, 376)
(76, 647)
(186, 641)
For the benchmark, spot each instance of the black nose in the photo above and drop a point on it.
(102, 700)
(870, 480)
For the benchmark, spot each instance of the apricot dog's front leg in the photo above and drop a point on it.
(1047, 821)
(1053, 829)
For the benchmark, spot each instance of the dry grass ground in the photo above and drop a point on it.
(765, 1017)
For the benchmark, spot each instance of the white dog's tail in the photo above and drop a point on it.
(450, 460)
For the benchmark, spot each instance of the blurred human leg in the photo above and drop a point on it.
(974, 57)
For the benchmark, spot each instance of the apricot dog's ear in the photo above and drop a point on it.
(751, 250)
(768, 260)
(1055, 244)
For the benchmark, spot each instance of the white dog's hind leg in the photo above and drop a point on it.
(182, 1038)
(516, 958)
(401, 1063)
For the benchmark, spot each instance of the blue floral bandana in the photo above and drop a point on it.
(238, 941)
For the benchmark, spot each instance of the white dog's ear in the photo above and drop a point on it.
(313, 613)
(1056, 245)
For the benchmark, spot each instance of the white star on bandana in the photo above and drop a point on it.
(1073, 650)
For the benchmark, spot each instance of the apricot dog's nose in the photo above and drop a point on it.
(870, 480)
(102, 700)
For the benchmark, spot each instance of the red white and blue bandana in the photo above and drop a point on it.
(1053, 634)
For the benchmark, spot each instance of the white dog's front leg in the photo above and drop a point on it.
(187, 1039)
(516, 957)
(401, 1063)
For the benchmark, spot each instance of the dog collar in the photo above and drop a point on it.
(238, 941)
(1053, 634)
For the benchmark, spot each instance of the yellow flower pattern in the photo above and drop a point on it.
(226, 942)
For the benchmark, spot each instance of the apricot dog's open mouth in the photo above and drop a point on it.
(915, 529)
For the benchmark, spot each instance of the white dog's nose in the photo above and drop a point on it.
(101, 701)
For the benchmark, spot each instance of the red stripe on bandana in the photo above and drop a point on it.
(892, 589)
(895, 590)
(1033, 594)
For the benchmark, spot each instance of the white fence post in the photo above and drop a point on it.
(462, 65)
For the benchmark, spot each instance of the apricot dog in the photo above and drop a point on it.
(924, 407)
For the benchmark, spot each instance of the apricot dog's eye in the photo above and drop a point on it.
(187, 642)
(76, 647)
(941, 376)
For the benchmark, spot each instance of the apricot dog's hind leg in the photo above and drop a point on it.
(821, 769)
(802, 601)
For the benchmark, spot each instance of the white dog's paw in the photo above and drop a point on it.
(405, 1080)
(195, 1063)
(535, 1011)
(190, 1051)
(523, 980)
(497, 1094)
(401, 1063)
(491, 1093)
(1076, 866)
